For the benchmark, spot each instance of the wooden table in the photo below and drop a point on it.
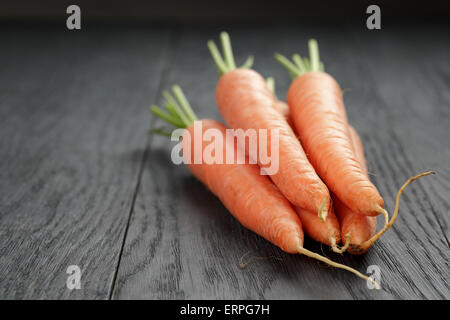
(81, 182)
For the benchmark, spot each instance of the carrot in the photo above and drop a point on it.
(326, 232)
(360, 227)
(279, 105)
(246, 102)
(318, 113)
(251, 198)
(317, 109)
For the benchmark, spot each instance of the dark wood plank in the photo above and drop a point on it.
(407, 109)
(73, 114)
(182, 243)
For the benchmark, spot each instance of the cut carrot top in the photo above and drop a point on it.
(179, 112)
(299, 66)
(226, 63)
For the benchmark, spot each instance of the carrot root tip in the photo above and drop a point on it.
(316, 256)
(388, 223)
(323, 211)
(386, 216)
(342, 249)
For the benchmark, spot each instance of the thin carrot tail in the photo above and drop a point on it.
(388, 223)
(342, 249)
(226, 63)
(316, 256)
(270, 82)
(323, 210)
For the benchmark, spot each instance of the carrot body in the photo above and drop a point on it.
(245, 102)
(318, 113)
(252, 198)
(283, 108)
(324, 232)
(358, 148)
(361, 228)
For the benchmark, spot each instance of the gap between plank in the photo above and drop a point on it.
(170, 48)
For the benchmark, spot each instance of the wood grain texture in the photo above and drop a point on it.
(73, 120)
(183, 243)
(81, 183)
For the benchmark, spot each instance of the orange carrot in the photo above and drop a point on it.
(360, 227)
(245, 102)
(327, 232)
(251, 198)
(279, 105)
(318, 113)
(358, 231)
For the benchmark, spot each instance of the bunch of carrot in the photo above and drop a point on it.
(321, 187)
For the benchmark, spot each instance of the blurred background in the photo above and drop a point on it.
(236, 11)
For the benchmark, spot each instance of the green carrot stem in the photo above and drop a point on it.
(176, 108)
(270, 81)
(167, 117)
(299, 62)
(221, 66)
(314, 55)
(170, 107)
(226, 63)
(307, 64)
(292, 75)
(248, 63)
(227, 51)
(300, 65)
(180, 113)
(287, 64)
(184, 103)
(161, 132)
